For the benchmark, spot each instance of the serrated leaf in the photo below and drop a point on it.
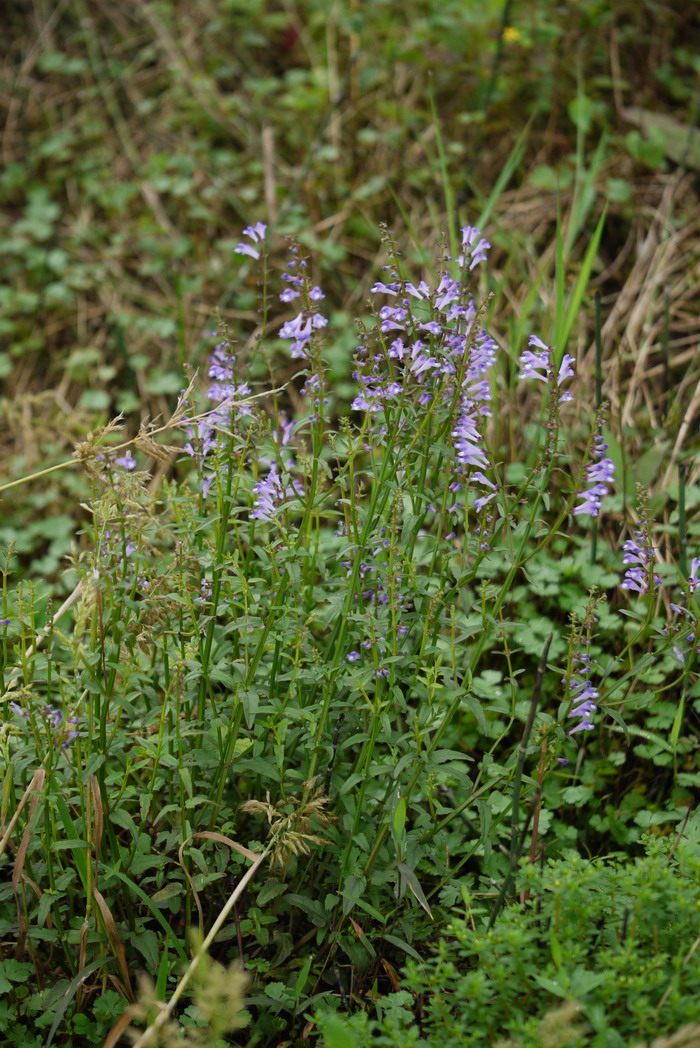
(337, 1033)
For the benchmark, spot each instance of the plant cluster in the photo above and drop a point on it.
(139, 138)
(598, 953)
(372, 649)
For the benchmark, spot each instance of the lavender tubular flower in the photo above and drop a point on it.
(393, 318)
(272, 493)
(385, 289)
(600, 476)
(53, 716)
(538, 364)
(476, 386)
(484, 499)
(535, 365)
(474, 247)
(255, 233)
(583, 695)
(639, 556)
(566, 371)
(468, 441)
(300, 329)
(447, 293)
(420, 292)
(532, 363)
(638, 552)
(225, 388)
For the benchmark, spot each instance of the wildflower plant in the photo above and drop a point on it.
(330, 641)
(638, 556)
(582, 695)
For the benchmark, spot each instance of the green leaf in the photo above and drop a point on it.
(140, 893)
(72, 835)
(579, 289)
(581, 110)
(677, 722)
(680, 142)
(337, 1033)
(250, 700)
(406, 947)
(413, 883)
(647, 468)
(552, 986)
(302, 977)
(476, 709)
(16, 971)
(399, 819)
(70, 992)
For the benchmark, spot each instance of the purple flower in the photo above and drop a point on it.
(300, 329)
(693, 580)
(420, 292)
(386, 289)
(111, 545)
(222, 365)
(205, 592)
(201, 442)
(481, 359)
(482, 501)
(474, 247)
(72, 734)
(52, 716)
(468, 440)
(224, 389)
(256, 233)
(583, 695)
(289, 294)
(448, 292)
(639, 556)
(366, 401)
(272, 492)
(393, 318)
(126, 461)
(284, 435)
(246, 249)
(353, 656)
(532, 364)
(420, 361)
(566, 369)
(599, 475)
(539, 365)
